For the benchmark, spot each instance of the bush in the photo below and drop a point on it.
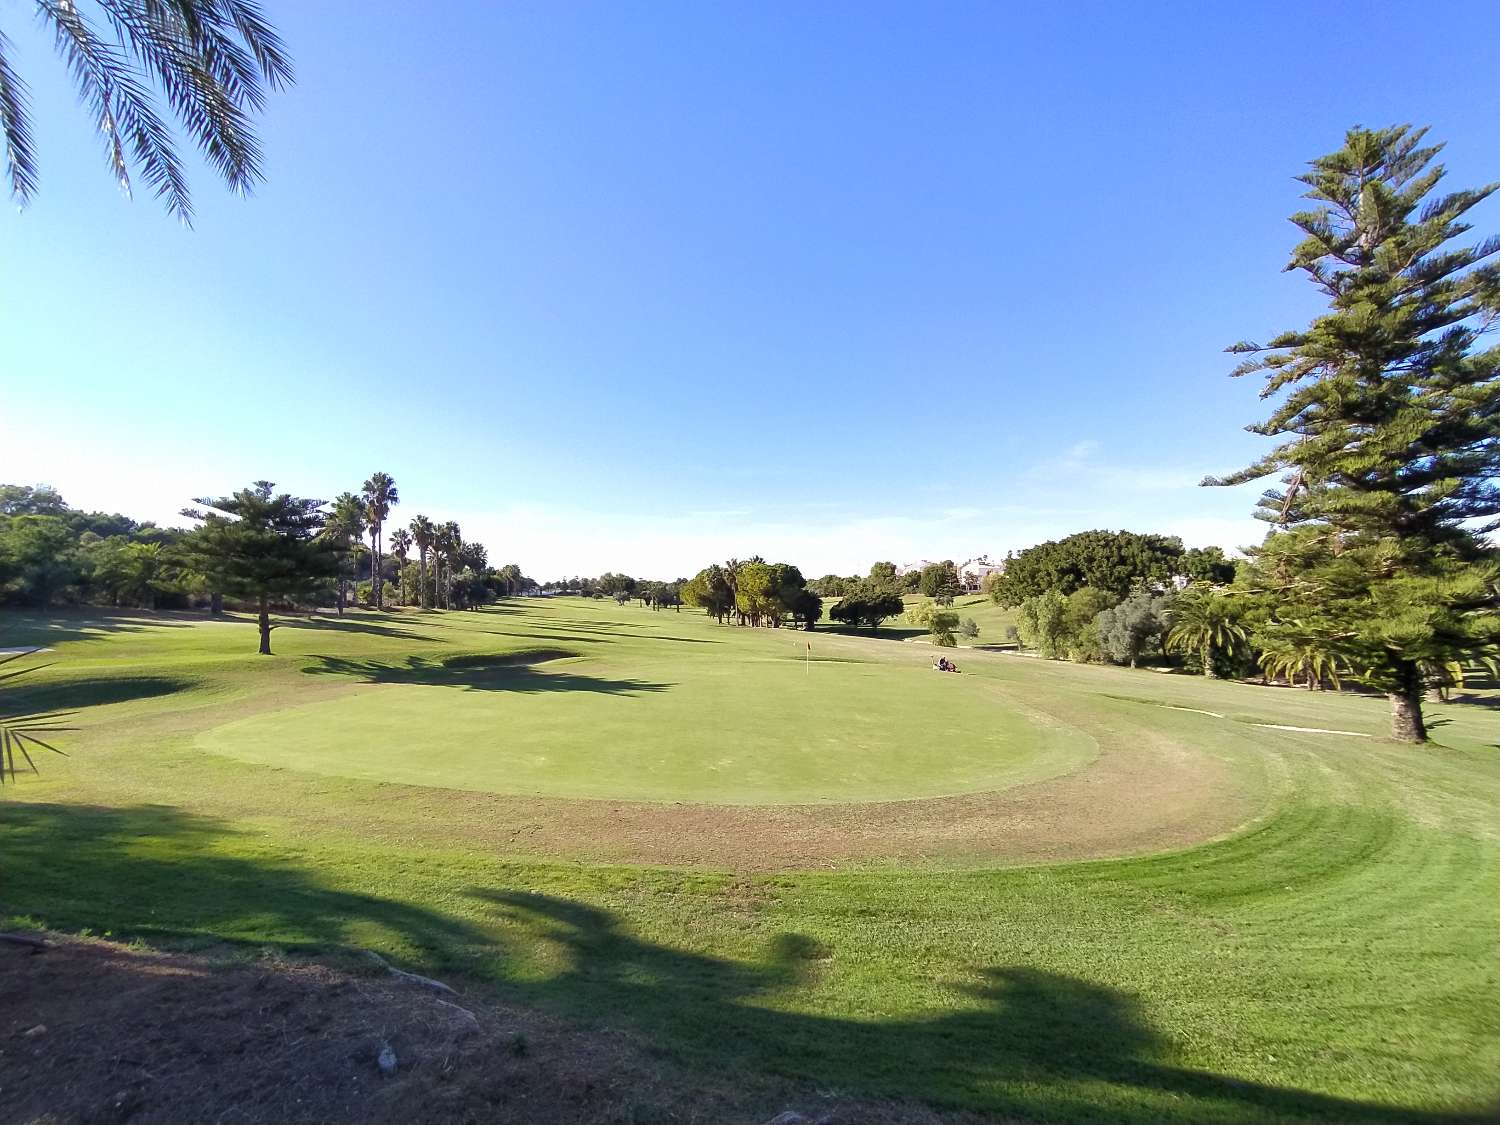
(942, 624)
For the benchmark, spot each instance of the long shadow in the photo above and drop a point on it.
(533, 634)
(50, 627)
(42, 695)
(511, 672)
(1032, 1046)
(884, 633)
(1027, 1044)
(161, 872)
(352, 625)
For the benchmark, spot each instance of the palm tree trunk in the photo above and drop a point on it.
(1208, 664)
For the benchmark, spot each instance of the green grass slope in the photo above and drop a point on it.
(1334, 960)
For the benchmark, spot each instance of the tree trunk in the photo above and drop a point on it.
(375, 565)
(1207, 656)
(216, 603)
(1406, 705)
(265, 625)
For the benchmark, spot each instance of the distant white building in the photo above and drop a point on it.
(973, 572)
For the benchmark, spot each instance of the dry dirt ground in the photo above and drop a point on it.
(95, 1032)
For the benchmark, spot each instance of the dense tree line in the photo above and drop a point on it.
(257, 548)
(650, 592)
(1111, 561)
(755, 593)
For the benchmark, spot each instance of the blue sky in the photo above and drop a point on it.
(639, 286)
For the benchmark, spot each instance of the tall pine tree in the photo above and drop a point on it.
(1388, 415)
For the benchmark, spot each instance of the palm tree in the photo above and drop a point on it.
(1299, 648)
(1205, 621)
(215, 61)
(424, 535)
(401, 547)
(450, 543)
(379, 495)
(345, 526)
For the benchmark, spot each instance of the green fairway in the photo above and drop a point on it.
(824, 872)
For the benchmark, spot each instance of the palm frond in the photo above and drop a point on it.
(122, 107)
(23, 732)
(15, 126)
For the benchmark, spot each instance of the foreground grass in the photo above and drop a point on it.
(1336, 960)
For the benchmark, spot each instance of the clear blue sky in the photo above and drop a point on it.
(638, 286)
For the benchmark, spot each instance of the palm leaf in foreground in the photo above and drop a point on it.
(24, 731)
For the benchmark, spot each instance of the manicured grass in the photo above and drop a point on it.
(1335, 959)
(742, 723)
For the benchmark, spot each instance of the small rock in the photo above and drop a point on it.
(789, 1117)
(39, 1029)
(386, 1060)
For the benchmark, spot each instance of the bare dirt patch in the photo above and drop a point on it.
(92, 1031)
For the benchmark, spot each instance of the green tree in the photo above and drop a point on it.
(941, 627)
(379, 496)
(130, 573)
(344, 527)
(401, 548)
(1208, 564)
(806, 609)
(709, 589)
(38, 558)
(1081, 631)
(939, 581)
(1294, 649)
(1128, 630)
(920, 613)
(1387, 416)
(1112, 561)
(31, 500)
(446, 546)
(869, 603)
(1206, 623)
(215, 60)
(424, 535)
(261, 544)
(1041, 623)
(969, 629)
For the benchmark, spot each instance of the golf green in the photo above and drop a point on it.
(755, 728)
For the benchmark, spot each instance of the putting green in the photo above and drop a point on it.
(753, 730)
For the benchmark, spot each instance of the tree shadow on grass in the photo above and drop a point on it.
(1034, 1044)
(884, 633)
(72, 695)
(44, 628)
(159, 872)
(1026, 1043)
(510, 672)
(375, 627)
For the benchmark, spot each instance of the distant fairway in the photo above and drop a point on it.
(1040, 891)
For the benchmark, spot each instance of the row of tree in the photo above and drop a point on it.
(754, 593)
(939, 581)
(256, 545)
(649, 592)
